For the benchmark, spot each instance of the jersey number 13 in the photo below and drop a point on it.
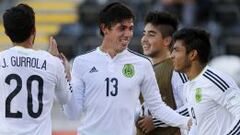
(113, 82)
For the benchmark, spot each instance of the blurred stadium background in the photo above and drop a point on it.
(74, 25)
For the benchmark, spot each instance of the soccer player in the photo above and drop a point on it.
(156, 43)
(29, 79)
(108, 80)
(213, 97)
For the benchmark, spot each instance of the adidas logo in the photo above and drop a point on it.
(93, 70)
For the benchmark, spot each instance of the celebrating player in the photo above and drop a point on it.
(29, 79)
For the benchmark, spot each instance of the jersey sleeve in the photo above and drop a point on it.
(63, 88)
(153, 100)
(158, 122)
(178, 80)
(229, 99)
(74, 107)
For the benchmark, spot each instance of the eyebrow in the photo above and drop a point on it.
(122, 24)
(151, 31)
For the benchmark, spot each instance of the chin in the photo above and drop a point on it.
(176, 69)
(147, 52)
(179, 70)
(123, 47)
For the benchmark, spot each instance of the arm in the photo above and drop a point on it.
(182, 111)
(230, 100)
(63, 90)
(178, 80)
(138, 112)
(149, 122)
(74, 107)
(53, 50)
(158, 108)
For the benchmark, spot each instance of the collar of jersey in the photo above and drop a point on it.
(106, 54)
(201, 73)
(17, 46)
(23, 50)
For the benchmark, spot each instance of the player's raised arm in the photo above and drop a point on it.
(53, 49)
(74, 108)
(63, 90)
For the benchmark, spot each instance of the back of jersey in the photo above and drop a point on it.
(27, 82)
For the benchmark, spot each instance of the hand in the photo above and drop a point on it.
(189, 124)
(146, 124)
(53, 49)
(66, 66)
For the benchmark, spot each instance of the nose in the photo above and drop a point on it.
(128, 33)
(143, 39)
(172, 55)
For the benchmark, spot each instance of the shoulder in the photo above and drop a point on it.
(86, 55)
(177, 76)
(44, 54)
(218, 78)
(138, 56)
(5, 52)
(84, 59)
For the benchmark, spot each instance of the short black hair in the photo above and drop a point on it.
(19, 22)
(165, 19)
(195, 39)
(114, 13)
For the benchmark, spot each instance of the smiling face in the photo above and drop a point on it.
(152, 40)
(180, 57)
(119, 35)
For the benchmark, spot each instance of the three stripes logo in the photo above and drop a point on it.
(93, 70)
(218, 81)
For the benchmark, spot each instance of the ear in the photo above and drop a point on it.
(33, 32)
(167, 41)
(104, 29)
(193, 55)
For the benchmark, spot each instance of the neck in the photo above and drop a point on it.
(26, 44)
(107, 48)
(23, 45)
(195, 70)
(160, 58)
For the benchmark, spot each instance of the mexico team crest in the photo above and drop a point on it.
(198, 95)
(128, 70)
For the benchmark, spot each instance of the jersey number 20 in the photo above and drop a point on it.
(18, 88)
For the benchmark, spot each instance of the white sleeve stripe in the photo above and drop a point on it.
(216, 80)
(185, 114)
(209, 71)
(235, 130)
(211, 79)
(159, 122)
(183, 111)
(185, 77)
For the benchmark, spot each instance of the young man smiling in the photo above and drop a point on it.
(213, 98)
(108, 80)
